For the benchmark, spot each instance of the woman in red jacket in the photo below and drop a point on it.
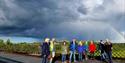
(92, 49)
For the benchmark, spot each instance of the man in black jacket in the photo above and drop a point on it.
(108, 50)
(45, 51)
(102, 50)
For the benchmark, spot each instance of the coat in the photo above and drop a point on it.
(92, 48)
(72, 46)
(45, 49)
(81, 49)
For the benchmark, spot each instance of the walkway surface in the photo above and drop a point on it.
(16, 58)
(95, 61)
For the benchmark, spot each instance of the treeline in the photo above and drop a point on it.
(22, 48)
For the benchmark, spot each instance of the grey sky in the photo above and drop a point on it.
(62, 18)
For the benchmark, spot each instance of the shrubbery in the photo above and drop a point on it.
(23, 48)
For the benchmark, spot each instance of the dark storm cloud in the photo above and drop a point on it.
(29, 17)
(54, 18)
(82, 10)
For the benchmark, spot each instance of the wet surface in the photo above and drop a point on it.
(16, 58)
(94, 61)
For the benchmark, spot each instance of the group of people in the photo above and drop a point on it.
(81, 47)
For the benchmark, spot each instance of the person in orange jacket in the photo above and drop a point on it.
(92, 49)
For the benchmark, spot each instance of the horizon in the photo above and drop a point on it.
(20, 39)
(32, 40)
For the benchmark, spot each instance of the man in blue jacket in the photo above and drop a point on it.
(73, 50)
(45, 51)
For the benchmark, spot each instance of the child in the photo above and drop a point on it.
(64, 52)
(81, 50)
(92, 49)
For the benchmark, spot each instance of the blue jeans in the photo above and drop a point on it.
(45, 59)
(72, 53)
(80, 56)
(109, 54)
(86, 54)
(103, 56)
(63, 57)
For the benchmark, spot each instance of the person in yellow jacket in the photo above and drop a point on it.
(52, 50)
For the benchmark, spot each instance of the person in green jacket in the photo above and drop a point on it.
(86, 50)
(64, 49)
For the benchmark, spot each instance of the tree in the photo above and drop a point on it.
(9, 46)
(2, 45)
(8, 42)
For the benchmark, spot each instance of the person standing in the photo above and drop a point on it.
(64, 50)
(52, 50)
(73, 50)
(108, 50)
(92, 49)
(102, 50)
(45, 50)
(86, 50)
(81, 50)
